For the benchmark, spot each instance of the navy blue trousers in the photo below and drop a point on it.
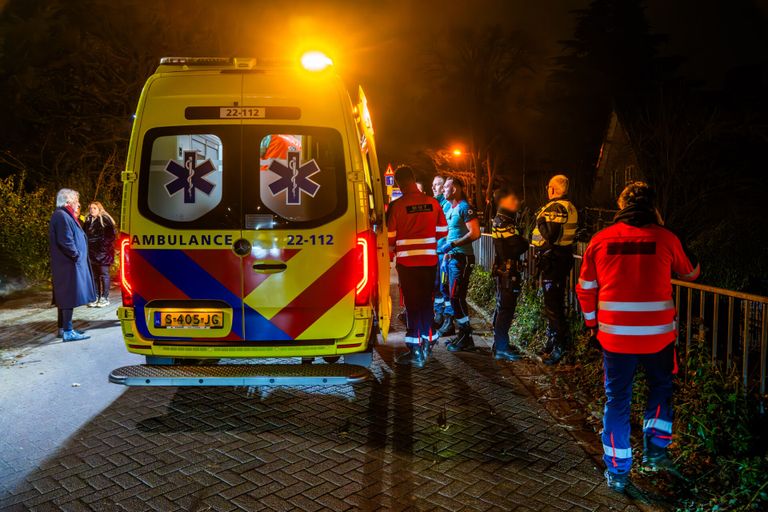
(657, 427)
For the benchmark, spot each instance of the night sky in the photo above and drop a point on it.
(384, 45)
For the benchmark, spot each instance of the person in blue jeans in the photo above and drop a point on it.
(459, 257)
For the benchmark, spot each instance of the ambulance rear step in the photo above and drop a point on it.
(239, 375)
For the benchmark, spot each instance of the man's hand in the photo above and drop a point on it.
(593, 342)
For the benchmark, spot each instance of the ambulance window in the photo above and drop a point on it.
(183, 182)
(300, 181)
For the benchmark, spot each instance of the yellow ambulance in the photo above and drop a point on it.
(252, 226)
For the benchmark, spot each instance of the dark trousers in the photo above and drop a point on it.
(459, 267)
(555, 266)
(101, 279)
(65, 318)
(507, 291)
(619, 375)
(417, 285)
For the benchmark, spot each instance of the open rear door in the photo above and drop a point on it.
(368, 144)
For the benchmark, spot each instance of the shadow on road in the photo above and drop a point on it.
(409, 437)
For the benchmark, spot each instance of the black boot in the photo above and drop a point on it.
(414, 357)
(555, 356)
(438, 320)
(463, 342)
(656, 458)
(447, 329)
(508, 354)
(616, 481)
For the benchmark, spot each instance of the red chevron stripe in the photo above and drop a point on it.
(317, 298)
(252, 279)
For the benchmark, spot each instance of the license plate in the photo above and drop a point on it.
(242, 113)
(191, 320)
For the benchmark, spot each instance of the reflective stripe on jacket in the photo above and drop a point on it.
(625, 287)
(415, 223)
(556, 224)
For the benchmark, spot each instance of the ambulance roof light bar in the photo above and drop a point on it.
(224, 62)
(195, 61)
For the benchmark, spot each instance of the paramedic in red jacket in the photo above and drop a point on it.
(415, 223)
(625, 294)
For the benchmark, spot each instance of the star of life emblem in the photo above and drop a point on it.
(294, 178)
(190, 177)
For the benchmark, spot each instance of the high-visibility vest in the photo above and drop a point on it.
(569, 219)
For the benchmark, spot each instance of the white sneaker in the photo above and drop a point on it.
(94, 304)
(103, 302)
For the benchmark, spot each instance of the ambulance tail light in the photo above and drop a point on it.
(364, 271)
(125, 271)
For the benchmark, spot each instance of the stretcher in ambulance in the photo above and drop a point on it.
(252, 226)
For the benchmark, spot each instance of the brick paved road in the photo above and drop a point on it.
(462, 434)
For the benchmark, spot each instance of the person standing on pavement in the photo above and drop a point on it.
(463, 229)
(554, 235)
(415, 223)
(441, 305)
(100, 228)
(625, 294)
(509, 245)
(72, 277)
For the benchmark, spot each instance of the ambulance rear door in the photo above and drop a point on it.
(186, 276)
(299, 280)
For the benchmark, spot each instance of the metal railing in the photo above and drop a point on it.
(734, 324)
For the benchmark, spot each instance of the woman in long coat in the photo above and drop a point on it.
(100, 229)
(72, 278)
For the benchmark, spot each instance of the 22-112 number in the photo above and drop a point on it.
(310, 240)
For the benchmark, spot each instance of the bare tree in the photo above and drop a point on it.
(477, 70)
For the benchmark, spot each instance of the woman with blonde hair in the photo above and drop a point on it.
(100, 227)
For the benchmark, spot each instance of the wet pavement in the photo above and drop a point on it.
(464, 433)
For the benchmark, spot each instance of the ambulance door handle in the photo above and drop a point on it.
(270, 268)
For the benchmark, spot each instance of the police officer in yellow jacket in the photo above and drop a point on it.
(553, 236)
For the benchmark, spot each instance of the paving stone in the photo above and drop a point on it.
(381, 445)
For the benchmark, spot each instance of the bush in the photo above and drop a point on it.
(482, 289)
(24, 230)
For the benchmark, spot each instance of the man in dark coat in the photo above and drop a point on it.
(72, 278)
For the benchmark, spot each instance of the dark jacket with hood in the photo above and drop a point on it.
(101, 240)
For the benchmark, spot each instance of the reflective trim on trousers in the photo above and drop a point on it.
(462, 320)
(590, 315)
(619, 453)
(412, 340)
(441, 229)
(637, 330)
(657, 424)
(587, 285)
(661, 305)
